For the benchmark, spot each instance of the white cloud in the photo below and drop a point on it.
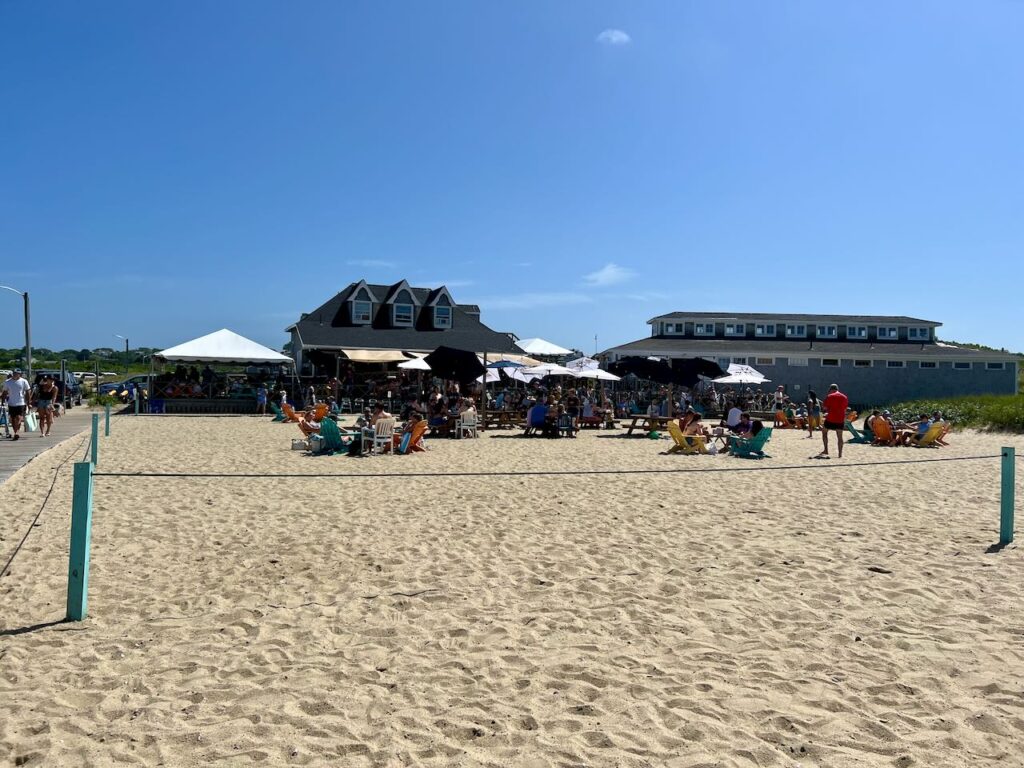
(532, 300)
(609, 274)
(613, 37)
(371, 263)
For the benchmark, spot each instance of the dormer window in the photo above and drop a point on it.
(735, 329)
(764, 329)
(361, 312)
(796, 331)
(703, 329)
(401, 315)
(442, 317)
(856, 332)
(826, 332)
(918, 334)
(887, 332)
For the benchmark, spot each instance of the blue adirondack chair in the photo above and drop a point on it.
(751, 448)
(332, 435)
(867, 436)
(278, 413)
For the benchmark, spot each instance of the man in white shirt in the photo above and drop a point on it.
(16, 391)
(733, 417)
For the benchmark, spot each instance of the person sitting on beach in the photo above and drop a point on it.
(748, 427)
(937, 419)
(800, 416)
(694, 427)
(732, 418)
(536, 418)
(916, 431)
(308, 423)
(563, 423)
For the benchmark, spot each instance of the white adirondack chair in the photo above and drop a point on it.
(467, 425)
(383, 433)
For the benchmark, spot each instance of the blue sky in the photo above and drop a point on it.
(167, 169)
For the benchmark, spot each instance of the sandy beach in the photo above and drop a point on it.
(831, 615)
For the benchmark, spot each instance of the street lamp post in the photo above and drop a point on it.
(28, 331)
(125, 354)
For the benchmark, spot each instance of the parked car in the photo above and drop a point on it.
(71, 392)
(116, 387)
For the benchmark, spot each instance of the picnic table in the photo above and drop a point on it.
(501, 419)
(647, 423)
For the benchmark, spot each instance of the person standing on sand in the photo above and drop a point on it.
(261, 399)
(835, 404)
(16, 391)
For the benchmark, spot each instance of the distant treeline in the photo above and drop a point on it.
(78, 359)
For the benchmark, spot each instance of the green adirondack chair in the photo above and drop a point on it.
(866, 436)
(331, 434)
(751, 448)
(278, 413)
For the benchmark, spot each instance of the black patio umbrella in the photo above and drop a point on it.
(686, 371)
(653, 370)
(455, 364)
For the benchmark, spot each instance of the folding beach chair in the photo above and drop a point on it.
(929, 437)
(858, 437)
(278, 413)
(412, 442)
(466, 425)
(751, 448)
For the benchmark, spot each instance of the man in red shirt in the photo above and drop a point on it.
(835, 404)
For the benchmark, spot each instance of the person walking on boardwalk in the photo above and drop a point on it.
(835, 418)
(16, 392)
(46, 397)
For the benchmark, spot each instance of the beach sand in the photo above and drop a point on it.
(832, 615)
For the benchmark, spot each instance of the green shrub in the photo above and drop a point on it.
(101, 400)
(997, 412)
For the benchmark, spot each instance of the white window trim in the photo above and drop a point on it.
(988, 366)
(870, 363)
(796, 335)
(741, 331)
(701, 329)
(829, 365)
(958, 363)
(824, 334)
(928, 365)
(766, 333)
(895, 364)
(403, 323)
(764, 361)
(369, 312)
(804, 362)
(856, 328)
(895, 332)
(443, 325)
(917, 333)
(741, 360)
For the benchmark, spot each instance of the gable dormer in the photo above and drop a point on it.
(402, 304)
(360, 304)
(441, 308)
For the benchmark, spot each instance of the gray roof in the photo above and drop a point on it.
(660, 345)
(749, 317)
(329, 326)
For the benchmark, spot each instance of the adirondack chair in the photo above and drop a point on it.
(320, 411)
(412, 442)
(928, 439)
(278, 413)
(751, 448)
(334, 441)
(882, 432)
(466, 425)
(290, 416)
(686, 444)
(858, 437)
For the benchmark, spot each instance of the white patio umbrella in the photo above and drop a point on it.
(597, 373)
(549, 369)
(583, 364)
(741, 374)
(541, 347)
(416, 364)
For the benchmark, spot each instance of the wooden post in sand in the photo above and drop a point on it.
(81, 533)
(106, 420)
(95, 445)
(1006, 497)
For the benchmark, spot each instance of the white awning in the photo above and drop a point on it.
(375, 355)
(222, 346)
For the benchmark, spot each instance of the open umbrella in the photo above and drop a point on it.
(416, 364)
(459, 365)
(541, 347)
(742, 374)
(644, 368)
(582, 364)
(549, 369)
(688, 371)
(597, 373)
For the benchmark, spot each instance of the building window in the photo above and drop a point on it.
(895, 364)
(994, 366)
(856, 332)
(402, 314)
(796, 331)
(765, 361)
(442, 317)
(826, 332)
(735, 329)
(798, 362)
(918, 334)
(740, 360)
(888, 333)
(703, 329)
(361, 312)
(829, 362)
(861, 363)
(962, 366)
(764, 329)
(675, 327)
(927, 364)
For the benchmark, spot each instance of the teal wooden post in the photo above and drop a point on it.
(81, 533)
(94, 448)
(106, 420)
(136, 405)
(1006, 497)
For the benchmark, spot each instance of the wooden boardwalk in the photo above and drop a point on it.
(16, 454)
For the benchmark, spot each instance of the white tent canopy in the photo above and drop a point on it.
(541, 347)
(222, 346)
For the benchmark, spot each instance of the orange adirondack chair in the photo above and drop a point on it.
(415, 444)
(289, 414)
(882, 431)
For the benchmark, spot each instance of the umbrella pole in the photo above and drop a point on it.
(481, 418)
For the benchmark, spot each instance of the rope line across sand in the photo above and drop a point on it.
(539, 472)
